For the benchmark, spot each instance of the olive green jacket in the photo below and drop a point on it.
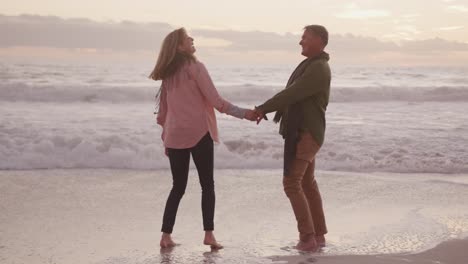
(311, 91)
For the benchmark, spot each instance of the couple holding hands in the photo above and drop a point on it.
(187, 100)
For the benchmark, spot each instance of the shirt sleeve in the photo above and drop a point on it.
(207, 88)
(161, 117)
(314, 80)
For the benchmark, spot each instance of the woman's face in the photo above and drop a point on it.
(187, 45)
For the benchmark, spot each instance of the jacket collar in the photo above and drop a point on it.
(321, 56)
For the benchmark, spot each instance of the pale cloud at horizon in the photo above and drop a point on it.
(450, 28)
(359, 17)
(42, 37)
(459, 8)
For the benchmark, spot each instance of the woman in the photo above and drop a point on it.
(186, 101)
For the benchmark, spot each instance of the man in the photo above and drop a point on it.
(301, 108)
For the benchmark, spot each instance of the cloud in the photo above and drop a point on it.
(106, 39)
(50, 31)
(406, 32)
(353, 11)
(212, 42)
(251, 40)
(433, 45)
(457, 8)
(413, 15)
(449, 28)
(405, 19)
(353, 43)
(32, 30)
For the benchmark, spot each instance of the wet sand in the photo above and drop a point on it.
(448, 252)
(114, 217)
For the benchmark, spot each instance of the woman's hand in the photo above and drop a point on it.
(250, 115)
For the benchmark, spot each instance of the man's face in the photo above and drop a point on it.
(310, 43)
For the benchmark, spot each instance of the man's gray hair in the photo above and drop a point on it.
(319, 31)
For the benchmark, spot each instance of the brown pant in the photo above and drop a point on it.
(302, 190)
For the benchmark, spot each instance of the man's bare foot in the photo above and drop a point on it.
(320, 240)
(309, 245)
(299, 244)
(210, 240)
(166, 241)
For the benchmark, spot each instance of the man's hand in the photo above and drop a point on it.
(260, 115)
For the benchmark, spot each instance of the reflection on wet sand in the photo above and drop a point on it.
(168, 256)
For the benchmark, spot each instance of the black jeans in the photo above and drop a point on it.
(202, 154)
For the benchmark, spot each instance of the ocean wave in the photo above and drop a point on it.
(74, 93)
(36, 151)
(241, 93)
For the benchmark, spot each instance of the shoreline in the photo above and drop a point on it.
(193, 168)
(454, 251)
(108, 216)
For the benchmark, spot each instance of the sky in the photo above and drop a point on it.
(260, 31)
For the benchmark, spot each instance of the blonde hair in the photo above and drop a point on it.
(170, 59)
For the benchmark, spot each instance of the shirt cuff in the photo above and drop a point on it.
(262, 109)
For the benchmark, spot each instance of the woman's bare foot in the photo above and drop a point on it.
(320, 240)
(210, 240)
(309, 245)
(166, 241)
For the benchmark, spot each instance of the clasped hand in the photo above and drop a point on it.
(254, 115)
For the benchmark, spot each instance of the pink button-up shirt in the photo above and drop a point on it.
(186, 110)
